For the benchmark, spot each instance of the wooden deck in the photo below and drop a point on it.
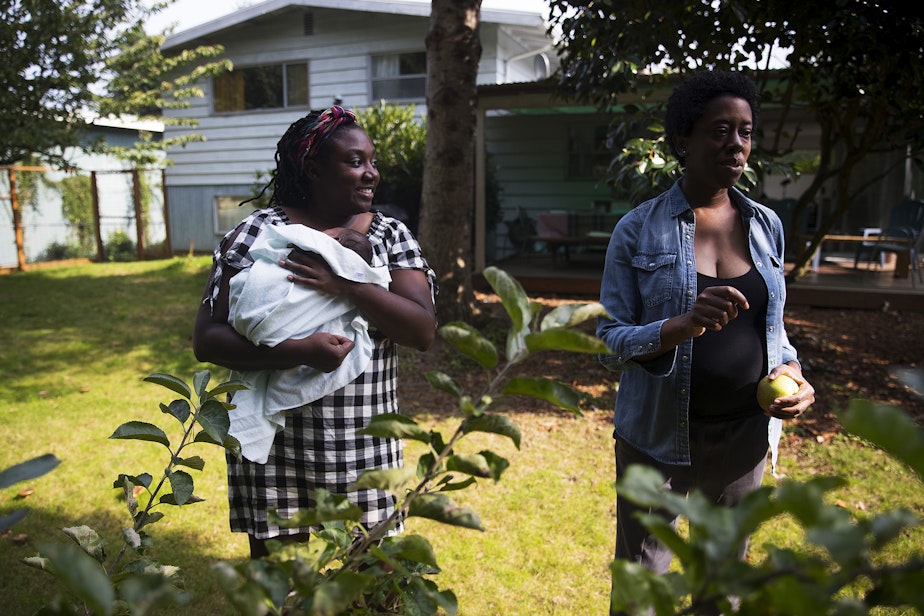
(836, 284)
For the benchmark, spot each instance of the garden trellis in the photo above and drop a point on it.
(50, 215)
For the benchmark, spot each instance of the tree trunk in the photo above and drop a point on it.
(447, 199)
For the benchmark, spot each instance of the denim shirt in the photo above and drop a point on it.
(650, 276)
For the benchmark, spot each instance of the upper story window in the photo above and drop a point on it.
(269, 86)
(399, 76)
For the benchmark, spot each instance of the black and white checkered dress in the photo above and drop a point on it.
(321, 445)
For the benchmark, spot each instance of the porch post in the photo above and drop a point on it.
(480, 248)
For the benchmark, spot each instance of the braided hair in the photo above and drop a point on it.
(304, 140)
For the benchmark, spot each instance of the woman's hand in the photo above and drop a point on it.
(310, 269)
(790, 407)
(321, 351)
(713, 309)
(404, 312)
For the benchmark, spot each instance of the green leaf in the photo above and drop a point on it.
(170, 382)
(564, 340)
(469, 341)
(558, 394)
(440, 508)
(393, 425)
(512, 296)
(417, 549)
(170, 499)
(178, 408)
(494, 424)
(231, 444)
(201, 382)
(82, 575)
(144, 519)
(496, 463)
(213, 417)
(143, 480)
(336, 596)
(328, 508)
(38, 562)
(889, 428)
(182, 484)
(227, 387)
(443, 382)
(30, 469)
(141, 431)
(569, 315)
(393, 480)
(447, 485)
(468, 408)
(193, 462)
(470, 464)
(639, 588)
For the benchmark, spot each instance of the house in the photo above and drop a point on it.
(548, 155)
(45, 230)
(293, 56)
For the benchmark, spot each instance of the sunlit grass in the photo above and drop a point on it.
(78, 340)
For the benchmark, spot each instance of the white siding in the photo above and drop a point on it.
(238, 146)
(530, 161)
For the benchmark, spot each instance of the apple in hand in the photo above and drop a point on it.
(780, 387)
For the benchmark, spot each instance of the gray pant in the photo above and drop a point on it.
(728, 462)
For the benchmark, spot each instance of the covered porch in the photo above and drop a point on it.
(834, 284)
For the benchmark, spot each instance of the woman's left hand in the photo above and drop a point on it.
(311, 270)
(793, 406)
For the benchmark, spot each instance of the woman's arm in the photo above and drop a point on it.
(404, 312)
(216, 342)
(712, 310)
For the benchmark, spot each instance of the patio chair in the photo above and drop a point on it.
(902, 235)
(520, 233)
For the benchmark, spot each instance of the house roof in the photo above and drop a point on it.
(508, 17)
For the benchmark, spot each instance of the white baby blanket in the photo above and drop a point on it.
(267, 309)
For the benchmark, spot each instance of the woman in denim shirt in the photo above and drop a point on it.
(694, 288)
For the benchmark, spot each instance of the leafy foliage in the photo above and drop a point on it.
(59, 57)
(853, 68)
(838, 571)
(348, 569)
(131, 582)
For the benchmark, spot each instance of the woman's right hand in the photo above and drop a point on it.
(713, 309)
(321, 351)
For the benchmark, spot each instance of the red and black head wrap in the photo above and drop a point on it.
(320, 129)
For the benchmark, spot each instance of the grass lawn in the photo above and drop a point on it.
(77, 341)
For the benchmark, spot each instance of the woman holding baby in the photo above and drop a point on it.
(325, 179)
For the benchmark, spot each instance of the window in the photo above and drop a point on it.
(227, 212)
(270, 86)
(401, 76)
(589, 152)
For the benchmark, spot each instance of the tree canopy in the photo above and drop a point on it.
(70, 61)
(853, 68)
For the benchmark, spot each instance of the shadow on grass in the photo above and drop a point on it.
(27, 589)
(98, 319)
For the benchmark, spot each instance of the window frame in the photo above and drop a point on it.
(373, 79)
(286, 66)
(227, 203)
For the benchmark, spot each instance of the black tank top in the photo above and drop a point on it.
(728, 364)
